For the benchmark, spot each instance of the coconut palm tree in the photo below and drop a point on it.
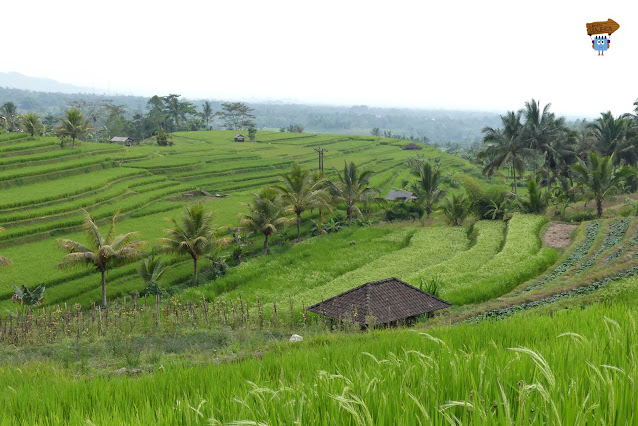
(31, 122)
(540, 132)
(74, 124)
(455, 209)
(102, 252)
(613, 136)
(4, 261)
(195, 235)
(267, 213)
(598, 176)
(300, 190)
(429, 187)
(505, 146)
(10, 113)
(207, 113)
(151, 270)
(353, 187)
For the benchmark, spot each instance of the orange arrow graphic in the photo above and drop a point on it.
(602, 27)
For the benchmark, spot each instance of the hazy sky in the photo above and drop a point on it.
(485, 55)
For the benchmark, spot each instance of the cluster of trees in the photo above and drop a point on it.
(293, 128)
(463, 127)
(195, 235)
(101, 120)
(590, 160)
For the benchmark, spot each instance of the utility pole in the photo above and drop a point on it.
(321, 151)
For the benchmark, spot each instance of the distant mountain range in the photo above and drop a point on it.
(16, 80)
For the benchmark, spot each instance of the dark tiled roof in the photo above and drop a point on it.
(412, 147)
(121, 139)
(399, 194)
(387, 300)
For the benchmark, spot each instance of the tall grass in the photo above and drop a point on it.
(576, 368)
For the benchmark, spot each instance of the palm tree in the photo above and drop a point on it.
(352, 188)
(505, 146)
(195, 236)
(266, 214)
(73, 124)
(535, 201)
(301, 191)
(151, 270)
(540, 132)
(611, 137)
(102, 253)
(4, 261)
(31, 122)
(10, 112)
(455, 209)
(429, 187)
(207, 113)
(599, 177)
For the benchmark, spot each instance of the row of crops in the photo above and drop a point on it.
(583, 271)
(45, 187)
(461, 262)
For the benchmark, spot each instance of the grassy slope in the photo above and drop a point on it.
(42, 202)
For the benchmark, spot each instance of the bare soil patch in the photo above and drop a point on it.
(558, 235)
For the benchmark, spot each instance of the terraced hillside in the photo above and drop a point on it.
(601, 264)
(44, 187)
(473, 264)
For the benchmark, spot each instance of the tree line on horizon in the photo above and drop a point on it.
(595, 157)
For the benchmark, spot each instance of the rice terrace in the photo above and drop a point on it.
(315, 230)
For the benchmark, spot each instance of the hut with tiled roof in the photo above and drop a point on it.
(389, 301)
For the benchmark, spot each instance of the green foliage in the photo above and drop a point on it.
(455, 209)
(599, 177)
(536, 200)
(353, 188)
(236, 115)
(267, 214)
(535, 359)
(432, 285)
(429, 187)
(103, 252)
(163, 138)
(28, 297)
(73, 125)
(195, 235)
(485, 199)
(151, 270)
(404, 211)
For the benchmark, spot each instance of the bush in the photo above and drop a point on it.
(404, 211)
(581, 217)
(484, 200)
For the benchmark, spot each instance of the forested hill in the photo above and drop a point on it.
(439, 126)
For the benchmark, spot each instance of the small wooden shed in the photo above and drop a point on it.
(412, 147)
(239, 137)
(123, 140)
(389, 301)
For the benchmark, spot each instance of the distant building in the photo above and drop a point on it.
(123, 140)
(412, 147)
(400, 195)
(389, 301)
(239, 137)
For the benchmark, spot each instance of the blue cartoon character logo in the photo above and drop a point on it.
(600, 44)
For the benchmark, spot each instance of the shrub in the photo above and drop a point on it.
(483, 200)
(404, 211)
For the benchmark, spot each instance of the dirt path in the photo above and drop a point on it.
(558, 235)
